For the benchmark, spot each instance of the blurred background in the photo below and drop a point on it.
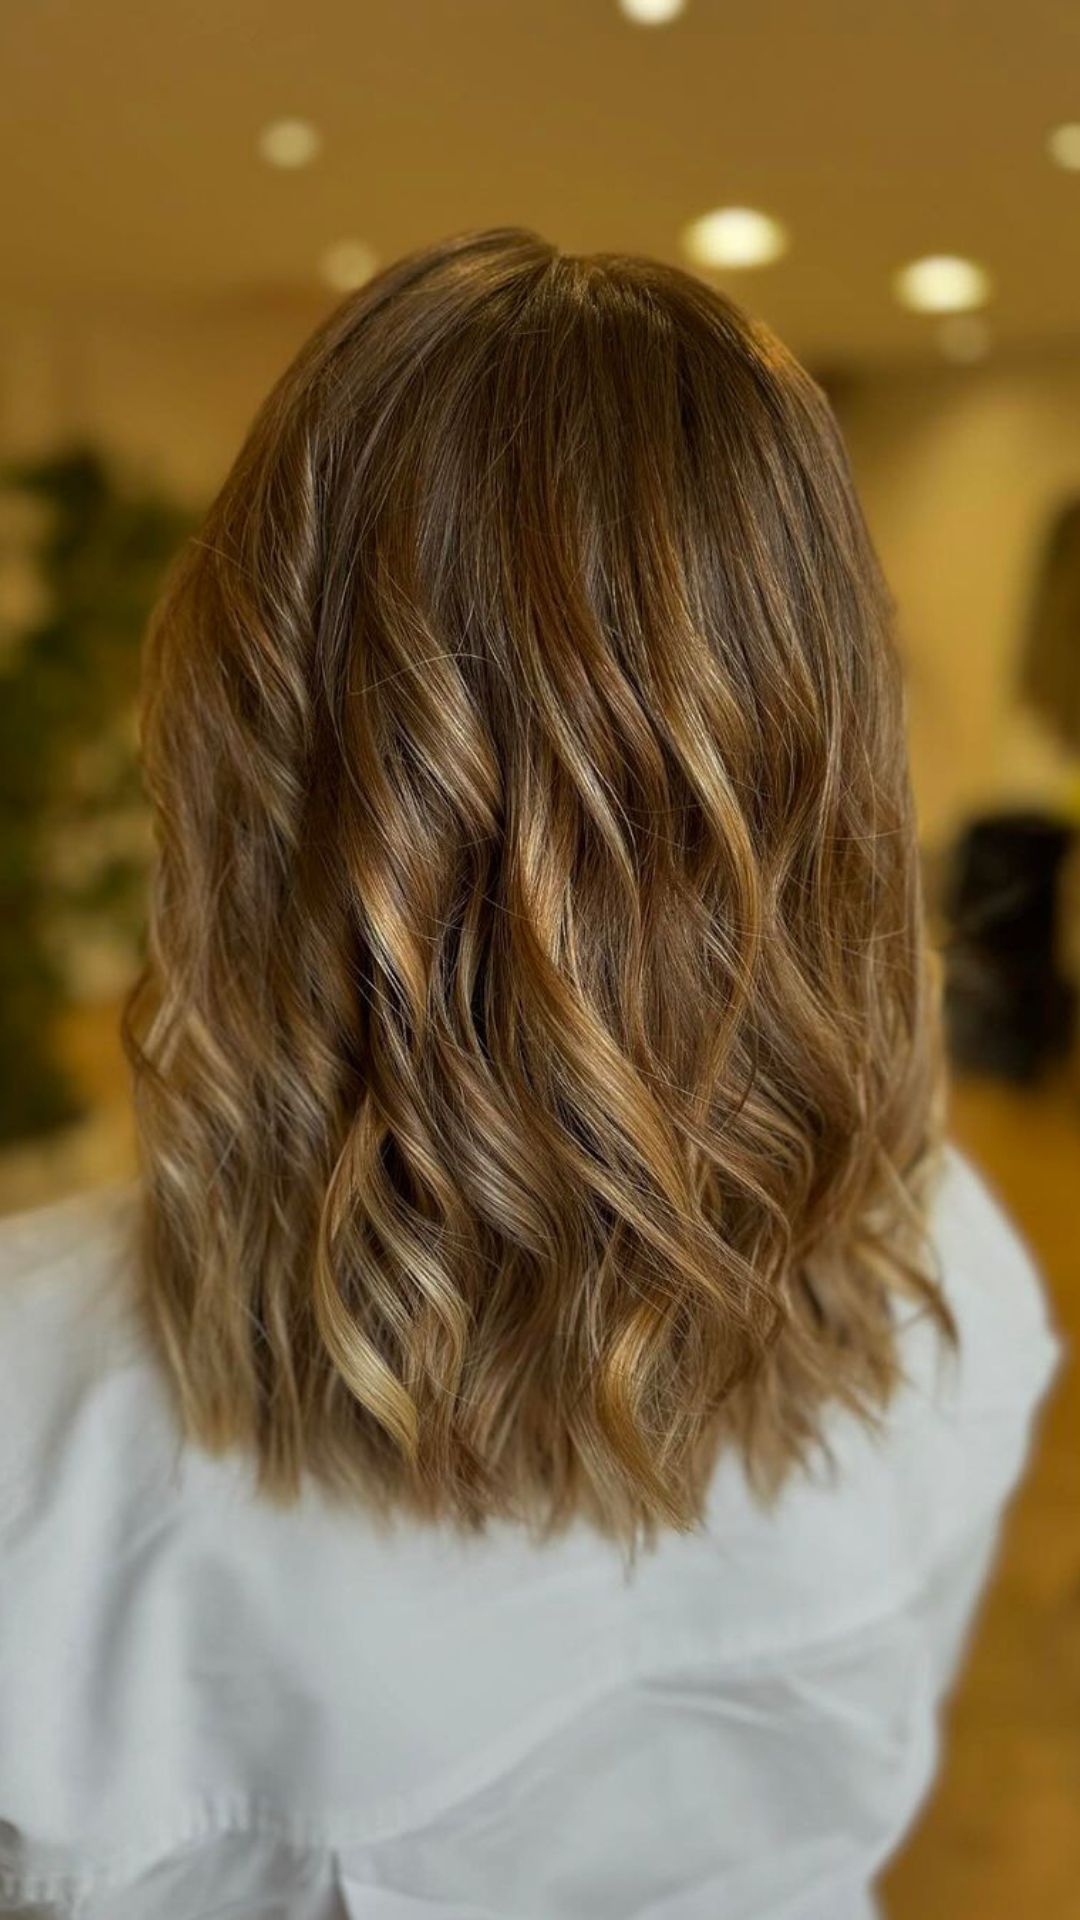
(895, 187)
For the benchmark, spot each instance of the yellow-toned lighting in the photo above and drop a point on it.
(289, 143)
(651, 13)
(735, 237)
(964, 338)
(942, 283)
(347, 265)
(1063, 146)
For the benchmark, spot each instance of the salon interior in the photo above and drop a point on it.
(895, 189)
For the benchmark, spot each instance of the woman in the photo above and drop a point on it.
(530, 1441)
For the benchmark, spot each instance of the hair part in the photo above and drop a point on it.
(535, 1061)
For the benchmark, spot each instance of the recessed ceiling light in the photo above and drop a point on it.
(735, 237)
(1063, 146)
(289, 143)
(942, 283)
(347, 265)
(964, 339)
(651, 13)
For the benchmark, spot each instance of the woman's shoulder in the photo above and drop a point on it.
(65, 1305)
(1008, 1340)
(35, 1240)
(54, 1257)
(66, 1294)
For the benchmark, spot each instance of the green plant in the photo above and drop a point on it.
(72, 849)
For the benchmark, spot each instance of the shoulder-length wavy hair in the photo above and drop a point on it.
(535, 1059)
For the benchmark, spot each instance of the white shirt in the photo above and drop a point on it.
(210, 1707)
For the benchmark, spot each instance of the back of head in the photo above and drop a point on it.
(534, 1060)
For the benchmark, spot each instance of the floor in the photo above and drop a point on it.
(1000, 1838)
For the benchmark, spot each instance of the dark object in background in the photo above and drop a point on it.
(1009, 1009)
(1050, 658)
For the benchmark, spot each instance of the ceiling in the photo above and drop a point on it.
(877, 130)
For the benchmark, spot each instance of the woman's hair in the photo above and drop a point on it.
(535, 1059)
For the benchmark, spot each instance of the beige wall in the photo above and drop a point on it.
(169, 388)
(959, 471)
